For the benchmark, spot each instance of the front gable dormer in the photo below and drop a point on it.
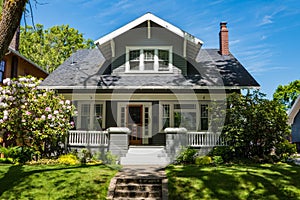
(148, 45)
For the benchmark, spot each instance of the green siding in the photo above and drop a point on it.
(180, 62)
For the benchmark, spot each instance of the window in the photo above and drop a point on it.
(148, 59)
(185, 116)
(180, 115)
(134, 58)
(204, 117)
(166, 116)
(91, 115)
(163, 59)
(2, 70)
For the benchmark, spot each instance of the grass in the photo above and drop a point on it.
(266, 181)
(55, 181)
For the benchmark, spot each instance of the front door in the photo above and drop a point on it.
(135, 124)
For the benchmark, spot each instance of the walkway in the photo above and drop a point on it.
(139, 182)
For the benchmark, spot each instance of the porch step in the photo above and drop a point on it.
(145, 156)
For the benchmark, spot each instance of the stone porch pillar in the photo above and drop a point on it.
(118, 140)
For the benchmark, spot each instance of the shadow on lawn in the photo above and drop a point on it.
(229, 183)
(16, 175)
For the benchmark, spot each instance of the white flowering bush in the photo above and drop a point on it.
(35, 118)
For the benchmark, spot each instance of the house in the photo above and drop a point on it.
(15, 64)
(148, 83)
(294, 121)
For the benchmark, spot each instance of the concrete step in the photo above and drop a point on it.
(139, 180)
(145, 155)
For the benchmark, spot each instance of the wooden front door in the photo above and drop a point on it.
(135, 124)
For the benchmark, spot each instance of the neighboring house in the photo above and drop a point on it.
(15, 64)
(148, 76)
(294, 121)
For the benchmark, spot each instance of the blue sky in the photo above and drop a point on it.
(264, 35)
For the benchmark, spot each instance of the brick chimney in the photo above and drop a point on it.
(14, 44)
(224, 46)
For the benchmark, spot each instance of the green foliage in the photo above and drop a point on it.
(287, 94)
(218, 160)
(18, 154)
(6, 160)
(186, 156)
(51, 47)
(225, 152)
(35, 118)
(203, 160)
(68, 159)
(110, 158)
(284, 150)
(84, 156)
(254, 125)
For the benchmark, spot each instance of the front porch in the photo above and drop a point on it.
(117, 141)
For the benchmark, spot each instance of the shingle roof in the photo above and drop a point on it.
(210, 69)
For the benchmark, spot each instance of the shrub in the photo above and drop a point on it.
(19, 154)
(84, 156)
(218, 160)
(68, 159)
(6, 160)
(110, 158)
(186, 156)
(224, 151)
(284, 150)
(203, 160)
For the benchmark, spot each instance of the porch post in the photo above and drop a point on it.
(175, 139)
(118, 140)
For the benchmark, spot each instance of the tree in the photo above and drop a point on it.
(287, 94)
(256, 127)
(50, 48)
(10, 17)
(34, 118)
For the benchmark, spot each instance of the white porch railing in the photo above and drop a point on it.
(205, 139)
(88, 138)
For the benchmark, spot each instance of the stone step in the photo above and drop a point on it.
(138, 194)
(137, 198)
(143, 180)
(139, 187)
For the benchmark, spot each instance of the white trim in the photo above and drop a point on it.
(146, 17)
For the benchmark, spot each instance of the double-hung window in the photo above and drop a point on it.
(91, 115)
(148, 59)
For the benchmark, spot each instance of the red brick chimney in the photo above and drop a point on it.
(224, 46)
(15, 42)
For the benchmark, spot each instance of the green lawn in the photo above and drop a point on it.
(54, 181)
(266, 181)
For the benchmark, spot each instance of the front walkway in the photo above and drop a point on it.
(139, 182)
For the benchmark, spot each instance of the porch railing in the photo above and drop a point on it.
(205, 139)
(88, 138)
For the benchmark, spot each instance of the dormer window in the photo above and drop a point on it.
(148, 59)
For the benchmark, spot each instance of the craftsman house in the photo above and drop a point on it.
(294, 121)
(148, 83)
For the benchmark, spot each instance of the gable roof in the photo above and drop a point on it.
(294, 111)
(210, 70)
(144, 18)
